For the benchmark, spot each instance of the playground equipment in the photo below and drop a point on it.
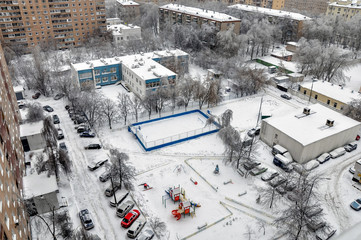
(241, 194)
(183, 208)
(175, 193)
(194, 181)
(229, 181)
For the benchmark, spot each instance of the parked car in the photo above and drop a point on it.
(58, 96)
(254, 132)
(60, 134)
(147, 234)
(93, 146)
(281, 190)
(67, 107)
(130, 218)
(350, 147)
(356, 205)
(338, 152)
(119, 197)
(352, 169)
(136, 228)
(95, 165)
(48, 108)
(63, 147)
(36, 95)
(323, 158)
(85, 219)
(258, 170)
(285, 96)
(112, 189)
(277, 181)
(21, 104)
(124, 208)
(283, 162)
(87, 134)
(105, 176)
(79, 120)
(269, 175)
(250, 165)
(82, 128)
(311, 165)
(56, 119)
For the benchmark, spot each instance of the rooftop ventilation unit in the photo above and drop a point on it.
(329, 122)
(306, 111)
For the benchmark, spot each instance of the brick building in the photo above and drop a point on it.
(13, 216)
(61, 22)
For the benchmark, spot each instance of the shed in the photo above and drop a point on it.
(19, 92)
(281, 79)
(296, 77)
(307, 134)
(40, 191)
(31, 137)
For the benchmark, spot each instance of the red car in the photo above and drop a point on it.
(130, 218)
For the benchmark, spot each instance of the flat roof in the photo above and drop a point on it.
(346, 4)
(291, 66)
(117, 60)
(281, 53)
(311, 128)
(203, 13)
(127, 3)
(334, 91)
(271, 12)
(28, 129)
(117, 27)
(37, 185)
(18, 88)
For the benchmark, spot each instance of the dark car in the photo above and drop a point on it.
(58, 96)
(87, 134)
(350, 147)
(356, 205)
(36, 95)
(67, 107)
(60, 134)
(285, 96)
(95, 165)
(63, 147)
(93, 146)
(56, 119)
(79, 120)
(48, 108)
(254, 132)
(82, 128)
(85, 219)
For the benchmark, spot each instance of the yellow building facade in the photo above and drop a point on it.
(345, 8)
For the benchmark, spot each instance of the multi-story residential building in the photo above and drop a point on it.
(63, 22)
(344, 8)
(310, 6)
(176, 13)
(292, 31)
(123, 33)
(128, 10)
(141, 72)
(13, 216)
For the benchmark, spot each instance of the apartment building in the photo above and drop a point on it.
(13, 216)
(176, 13)
(296, 20)
(128, 10)
(310, 6)
(344, 8)
(124, 33)
(64, 23)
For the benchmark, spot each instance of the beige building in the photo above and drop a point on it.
(274, 4)
(176, 13)
(128, 10)
(61, 22)
(13, 216)
(344, 8)
(328, 93)
(310, 6)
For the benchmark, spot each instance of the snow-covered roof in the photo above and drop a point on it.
(313, 127)
(346, 4)
(36, 185)
(198, 12)
(296, 44)
(281, 53)
(145, 67)
(341, 94)
(28, 129)
(118, 60)
(127, 3)
(295, 74)
(271, 12)
(291, 66)
(118, 27)
(18, 88)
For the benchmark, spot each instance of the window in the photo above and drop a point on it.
(97, 72)
(304, 91)
(105, 79)
(113, 69)
(114, 77)
(85, 75)
(97, 80)
(335, 104)
(328, 101)
(316, 96)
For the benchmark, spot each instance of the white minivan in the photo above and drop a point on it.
(135, 229)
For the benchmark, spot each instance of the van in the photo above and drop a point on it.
(135, 229)
(124, 208)
(338, 152)
(104, 176)
(282, 162)
(278, 149)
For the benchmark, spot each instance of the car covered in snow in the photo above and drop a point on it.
(254, 132)
(63, 147)
(130, 218)
(105, 176)
(269, 175)
(124, 208)
(85, 219)
(311, 165)
(277, 181)
(146, 234)
(356, 205)
(96, 164)
(135, 229)
(112, 189)
(60, 134)
(352, 169)
(338, 152)
(59, 96)
(323, 158)
(350, 147)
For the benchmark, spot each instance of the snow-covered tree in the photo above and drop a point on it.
(35, 112)
(121, 168)
(109, 110)
(124, 106)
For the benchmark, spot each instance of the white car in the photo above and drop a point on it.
(323, 158)
(311, 165)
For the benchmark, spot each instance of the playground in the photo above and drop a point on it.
(193, 200)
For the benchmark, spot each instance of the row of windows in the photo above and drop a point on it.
(106, 79)
(105, 71)
(328, 100)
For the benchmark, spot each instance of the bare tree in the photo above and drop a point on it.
(124, 106)
(161, 97)
(35, 112)
(90, 104)
(231, 140)
(200, 93)
(186, 90)
(136, 104)
(82, 234)
(109, 110)
(159, 227)
(214, 95)
(50, 134)
(149, 103)
(353, 110)
(120, 167)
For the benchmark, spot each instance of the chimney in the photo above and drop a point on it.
(329, 122)
(306, 111)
